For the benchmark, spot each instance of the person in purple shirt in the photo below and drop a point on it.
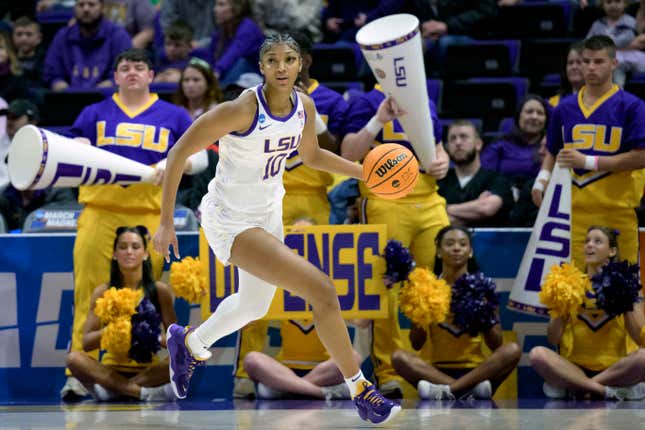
(343, 19)
(82, 55)
(516, 155)
(236, 42)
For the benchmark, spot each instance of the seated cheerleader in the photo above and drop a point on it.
(458, 368)
(598, 352)
(118, 375)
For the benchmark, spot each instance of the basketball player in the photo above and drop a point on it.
(137, 125)
(600, 134)
(414, 220)
(305, 190)
(242, 220)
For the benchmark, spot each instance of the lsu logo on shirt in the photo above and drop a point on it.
(134, 135)
(594, 137)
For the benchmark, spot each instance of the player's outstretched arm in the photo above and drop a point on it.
(236, 115)
(314, 156)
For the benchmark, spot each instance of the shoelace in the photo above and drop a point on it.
(373, 397)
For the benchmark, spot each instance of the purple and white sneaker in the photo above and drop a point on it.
(182, 362)
(373, 407)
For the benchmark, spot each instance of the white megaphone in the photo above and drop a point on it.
(39, 159)
(392, 47)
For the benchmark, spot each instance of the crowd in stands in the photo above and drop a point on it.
(198, 54)
(201, 59)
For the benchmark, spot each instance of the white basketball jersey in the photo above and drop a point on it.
(251, 164)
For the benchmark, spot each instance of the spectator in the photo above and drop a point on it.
(289, 15)
(598, 354)
(27, 39)
(136, 16)
(445, 22)
(342, 19)
(235, 44)
(82, 55)
(458, 367)
(414, 219)
(176, 52)
(524, 211)
(476, 197)
(16, 205)
(199, 89)
(194, 13)
(600, 136)
(516, 155)
(113, 376)
(571, 79)
(19, 112)
(12, 84)
(108, 206)
(621, 27)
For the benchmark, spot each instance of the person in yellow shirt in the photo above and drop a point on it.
(598, 353)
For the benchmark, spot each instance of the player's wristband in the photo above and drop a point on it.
(591, 162)
(538, 185)
(321, 127)
(374, 125)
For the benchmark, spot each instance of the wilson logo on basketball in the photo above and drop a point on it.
(389, 164)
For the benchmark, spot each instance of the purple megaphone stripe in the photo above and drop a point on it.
(43, 161)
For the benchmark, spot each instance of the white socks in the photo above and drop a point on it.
(353, 383)
(162, 393)
(197, 347)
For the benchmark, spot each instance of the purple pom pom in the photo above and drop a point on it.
(617, 287)
(145, 332)
(399, 262)
(474, 302)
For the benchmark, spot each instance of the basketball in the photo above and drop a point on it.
(390, 171)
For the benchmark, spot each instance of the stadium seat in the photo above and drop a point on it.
(185, 219)
(636, 87)
(483, 97)
(53, 218)
(481, 58)
(532, 20)
(542, 57)
(62, 108)
(333, 63)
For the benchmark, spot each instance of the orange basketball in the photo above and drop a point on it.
(390, 171)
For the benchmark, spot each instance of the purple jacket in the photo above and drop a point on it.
(84, 62)
(245, 44)
(516, 161)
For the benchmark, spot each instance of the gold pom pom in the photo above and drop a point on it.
(425, 299)
(117, 336)
(564, 290)
(117, 303)
(187, 279)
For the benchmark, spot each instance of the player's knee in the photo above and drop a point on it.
(252, 363)
(326, 296)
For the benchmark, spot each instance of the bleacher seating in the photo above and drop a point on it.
(539, 57)
(481, 58)
(532, 20)
(333, 63)
(63, 217)
(483, 97)
(435, 90)
(62, 108)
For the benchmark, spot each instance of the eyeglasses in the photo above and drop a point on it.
(195, 61)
